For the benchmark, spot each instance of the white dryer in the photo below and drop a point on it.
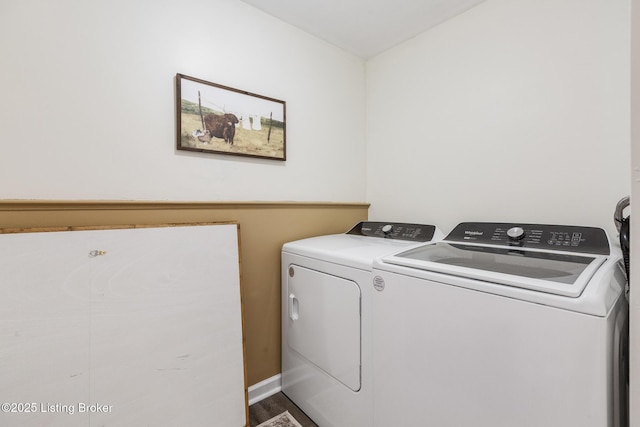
(326, 318)
(502, 325)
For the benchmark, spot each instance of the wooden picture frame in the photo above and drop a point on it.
(212, 118)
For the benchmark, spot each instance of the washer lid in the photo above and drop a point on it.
(557, 273)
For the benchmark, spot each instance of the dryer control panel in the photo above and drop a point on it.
(551, 237)
(394, 230)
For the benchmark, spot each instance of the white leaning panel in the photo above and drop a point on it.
(122, 327)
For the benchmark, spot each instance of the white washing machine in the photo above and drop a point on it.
(502, 325)
(326, 318)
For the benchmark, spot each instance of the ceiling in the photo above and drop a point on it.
(364, 27)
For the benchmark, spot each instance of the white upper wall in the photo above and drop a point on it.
(517, 110)
(88, 101)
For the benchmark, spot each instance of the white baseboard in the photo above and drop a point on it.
(264, 389)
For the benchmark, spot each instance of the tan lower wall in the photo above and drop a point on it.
(264, 227)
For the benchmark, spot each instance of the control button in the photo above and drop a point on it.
(515, 233)
(387, 228)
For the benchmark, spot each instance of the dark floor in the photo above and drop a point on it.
(274, 405)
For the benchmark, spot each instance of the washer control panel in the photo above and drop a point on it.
(552, 237)
(395, 230)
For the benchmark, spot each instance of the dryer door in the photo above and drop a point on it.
(324, 322)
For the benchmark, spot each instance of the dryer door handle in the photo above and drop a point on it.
(293, 307)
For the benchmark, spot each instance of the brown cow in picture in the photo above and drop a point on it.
(221, 126)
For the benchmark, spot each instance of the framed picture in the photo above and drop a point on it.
(212, 118)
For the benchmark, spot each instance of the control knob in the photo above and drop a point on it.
(515, 233)
(387, 229)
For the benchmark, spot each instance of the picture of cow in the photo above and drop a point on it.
(209, 119)
(221, 126)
